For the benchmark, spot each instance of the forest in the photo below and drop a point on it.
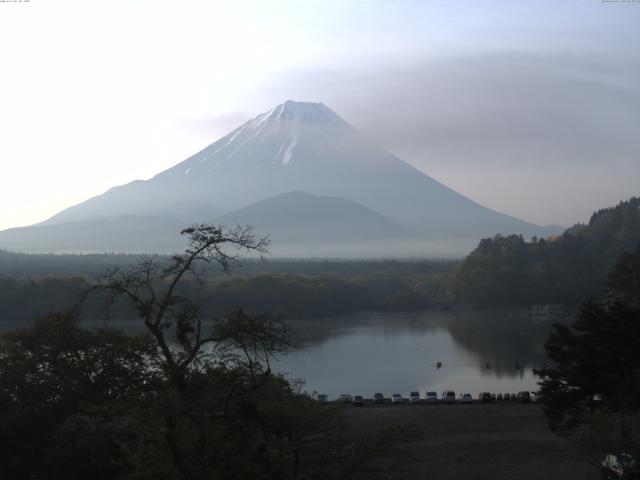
(292, 288)
(503, 270)
(559, 270)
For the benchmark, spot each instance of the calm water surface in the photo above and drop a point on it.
(398, 353)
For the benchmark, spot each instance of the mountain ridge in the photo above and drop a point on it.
(307, 147)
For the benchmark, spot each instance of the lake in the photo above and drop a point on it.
(493, 351)
(394, 352)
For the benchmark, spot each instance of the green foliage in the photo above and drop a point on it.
(55, 370)
(392, 285)
(78, 404)
(596, 366)
(293, 294)
(565, 269)
(309, 289)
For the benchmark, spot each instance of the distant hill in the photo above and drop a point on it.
(304, 225)
(568, 268)
(296, 146)
(299, 225)
(122, 233)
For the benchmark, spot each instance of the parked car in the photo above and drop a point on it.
(378, 398)
(323, 398)
(414, 397)
(525, 397)
(396, 398)
(432, 397)
(485, 397)
(493, 396)
(449, 396)
(345, 398)
(499, 396)
(514, 396)
(358, 401)
(466, 398)
(618, 467)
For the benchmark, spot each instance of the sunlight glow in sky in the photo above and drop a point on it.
(530, 108)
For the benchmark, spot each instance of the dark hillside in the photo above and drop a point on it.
(564, 269)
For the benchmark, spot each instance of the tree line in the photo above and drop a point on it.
(564, 269)
(378, 286)
(503, 270)
(591, 387)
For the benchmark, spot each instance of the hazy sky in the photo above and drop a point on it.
(531, 108)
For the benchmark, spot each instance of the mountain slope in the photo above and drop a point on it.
(299, 224)
(122, 233)
(306, 147)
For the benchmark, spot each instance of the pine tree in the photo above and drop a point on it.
(596, 361)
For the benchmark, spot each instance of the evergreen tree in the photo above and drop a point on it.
(562, 269)
(596, 361)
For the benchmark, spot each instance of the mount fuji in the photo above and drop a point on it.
(301, 166)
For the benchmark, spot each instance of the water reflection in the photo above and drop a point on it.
(398, 352)
(393, 352)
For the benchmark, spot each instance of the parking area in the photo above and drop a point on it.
(499, 440)
(405, 401)
(395, 399)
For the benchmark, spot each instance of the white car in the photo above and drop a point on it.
(414, 397)
(466, 398)
(396, 398)
(432, 397)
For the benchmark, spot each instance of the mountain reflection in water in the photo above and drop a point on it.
(390, 352)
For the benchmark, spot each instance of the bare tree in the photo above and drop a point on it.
(152, 289)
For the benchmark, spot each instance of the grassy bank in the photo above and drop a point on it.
(492, 441)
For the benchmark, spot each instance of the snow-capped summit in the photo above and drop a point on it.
(305, 147)
(296, 112)
(277, 133)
